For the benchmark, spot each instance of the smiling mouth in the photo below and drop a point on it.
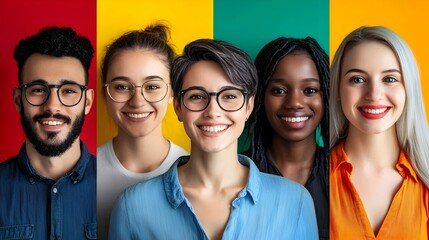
(52, 123)
(374, 111)
(214, 129)
(294, 119)
(138, 115)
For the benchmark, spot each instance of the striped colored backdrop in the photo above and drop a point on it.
(248, 24)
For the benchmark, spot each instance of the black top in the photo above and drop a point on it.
(316, 184)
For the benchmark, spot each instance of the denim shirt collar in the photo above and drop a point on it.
(75, 175)
(175, 194)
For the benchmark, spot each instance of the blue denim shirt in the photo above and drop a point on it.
(269, 207)
(34, 207)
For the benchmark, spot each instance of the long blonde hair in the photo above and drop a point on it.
(412, 128)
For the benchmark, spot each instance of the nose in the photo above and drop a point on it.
(374, 91)
(137, 100)
(213, 110)
(294, 100)
(53, 103)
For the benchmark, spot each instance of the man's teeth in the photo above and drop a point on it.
(374, 111)
(52, 123)
(294, 119)
(137, 115)
(214, 129)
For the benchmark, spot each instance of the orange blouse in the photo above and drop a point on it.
(407, 217)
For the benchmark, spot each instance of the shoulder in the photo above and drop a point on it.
(273, 182)
(8, 166)
(288, 195)
(273, 186)
(176, 150)
(337, 155)
(144, 196)
(105, 150)
(144, 190)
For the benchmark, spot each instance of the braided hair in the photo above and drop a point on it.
(266, 62)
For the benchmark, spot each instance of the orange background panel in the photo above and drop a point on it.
(409, 19)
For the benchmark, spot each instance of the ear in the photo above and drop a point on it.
(89, 100)
(249, 106)
(170, 95)
(178, 109)
(17, 98)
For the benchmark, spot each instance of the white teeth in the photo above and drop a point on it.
(214, 129)
(137, 115)
(374, 111)
(52, 123)
(294, 119)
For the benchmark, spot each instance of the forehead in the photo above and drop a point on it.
(370, 55)
(207, 74)
(298, 65)
(53, 69)
(137, 64)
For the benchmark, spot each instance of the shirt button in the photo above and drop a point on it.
(55, 190)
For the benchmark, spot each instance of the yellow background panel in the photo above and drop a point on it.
(188, 20)
(409, 19)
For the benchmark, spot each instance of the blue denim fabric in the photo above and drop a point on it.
(269, 207)
(34, 207)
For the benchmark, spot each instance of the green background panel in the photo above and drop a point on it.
(251, 24)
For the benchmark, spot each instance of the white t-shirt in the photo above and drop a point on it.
(113, 178)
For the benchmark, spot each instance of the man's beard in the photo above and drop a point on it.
(57, 148)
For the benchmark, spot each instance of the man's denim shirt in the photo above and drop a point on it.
(34, 207)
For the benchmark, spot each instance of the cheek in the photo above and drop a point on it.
(317, 105)
(161, 107)
(29, 111)
(272, 104)
(114, 108)
(399, 97)
(348, 97)
(188, 119)
(238, 117)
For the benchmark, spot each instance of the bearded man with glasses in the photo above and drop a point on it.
(48, 190)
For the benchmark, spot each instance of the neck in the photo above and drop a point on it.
(137, 153)
(294, 159)
(54, 167)
(365, 148)
(213, 170)
(293, 152)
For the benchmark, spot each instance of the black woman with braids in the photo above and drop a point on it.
(293, 103)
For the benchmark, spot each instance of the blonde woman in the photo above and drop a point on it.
(379, 140)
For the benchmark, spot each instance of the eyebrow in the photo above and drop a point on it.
(281, 80)
(222, 88)
(362, 71)
(66, 81)
(151, 77)
(38, 81)
(62, 81)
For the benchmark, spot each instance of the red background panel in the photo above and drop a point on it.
(19, 19)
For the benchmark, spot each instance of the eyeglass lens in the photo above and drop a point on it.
(69, 94)
(122, 91)
(228, 99)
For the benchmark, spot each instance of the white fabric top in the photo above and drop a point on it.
(113, 178)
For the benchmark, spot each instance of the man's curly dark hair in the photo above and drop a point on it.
(57, 42)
